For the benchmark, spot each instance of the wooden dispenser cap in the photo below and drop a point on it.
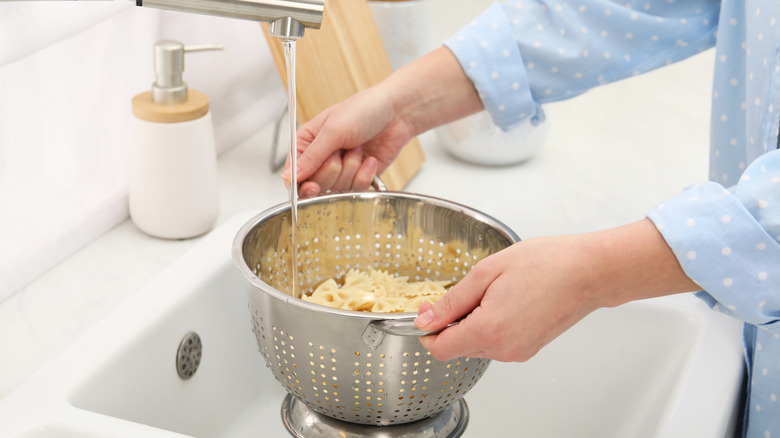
(196, 106)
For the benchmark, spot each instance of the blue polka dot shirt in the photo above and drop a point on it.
(725, 232)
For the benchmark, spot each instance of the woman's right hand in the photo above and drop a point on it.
(345, 146)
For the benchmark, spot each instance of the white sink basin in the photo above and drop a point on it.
(659, 368)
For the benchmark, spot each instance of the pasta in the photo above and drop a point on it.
(377, 291)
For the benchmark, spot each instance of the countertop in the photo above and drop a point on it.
(611, 155)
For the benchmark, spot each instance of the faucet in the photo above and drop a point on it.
(287, 18)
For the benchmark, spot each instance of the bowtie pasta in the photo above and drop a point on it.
(377, 291)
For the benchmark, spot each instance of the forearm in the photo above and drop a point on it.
(432, 91)
(632, 262)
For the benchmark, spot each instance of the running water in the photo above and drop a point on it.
(289, 57)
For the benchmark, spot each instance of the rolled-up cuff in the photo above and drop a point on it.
(488, 52)
(722, 247)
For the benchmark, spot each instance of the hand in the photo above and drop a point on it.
(518, 300)
(346, 145)
(515, 302)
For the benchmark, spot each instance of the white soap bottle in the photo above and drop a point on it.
(173, 190)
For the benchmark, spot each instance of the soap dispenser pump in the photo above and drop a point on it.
(173, 188)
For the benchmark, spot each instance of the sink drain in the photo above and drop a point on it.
(188, 355)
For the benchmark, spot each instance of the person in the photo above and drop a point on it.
(719, 237)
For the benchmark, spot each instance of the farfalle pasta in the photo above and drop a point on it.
(377, 291)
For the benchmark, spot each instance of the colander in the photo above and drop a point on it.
(361, 367)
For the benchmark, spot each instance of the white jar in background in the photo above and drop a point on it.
(173, 188)
(405, 27)
(477, 140)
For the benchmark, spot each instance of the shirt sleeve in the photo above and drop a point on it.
(522, 53)
(728, 241)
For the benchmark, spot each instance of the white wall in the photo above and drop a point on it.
(68, 71)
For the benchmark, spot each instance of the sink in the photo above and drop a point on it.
(666, 367)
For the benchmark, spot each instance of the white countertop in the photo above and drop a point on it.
(612, 154)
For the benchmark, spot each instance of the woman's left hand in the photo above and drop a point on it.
(518, 300)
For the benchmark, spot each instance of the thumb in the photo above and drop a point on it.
(458, 302)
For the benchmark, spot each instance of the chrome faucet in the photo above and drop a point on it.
(287, 18)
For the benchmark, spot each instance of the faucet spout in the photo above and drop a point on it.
(288, 18)
(286, 28)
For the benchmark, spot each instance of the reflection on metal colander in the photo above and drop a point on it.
(319, 354)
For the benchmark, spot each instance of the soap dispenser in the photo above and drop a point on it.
(173, 187)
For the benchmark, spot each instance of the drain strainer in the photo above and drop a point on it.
(188, 356)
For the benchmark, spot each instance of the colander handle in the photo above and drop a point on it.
(378, 184)
(375, 331)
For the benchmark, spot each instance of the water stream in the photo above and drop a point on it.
(289, 57)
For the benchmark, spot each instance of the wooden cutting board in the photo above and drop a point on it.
(344, 56)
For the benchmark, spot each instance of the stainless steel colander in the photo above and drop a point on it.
(360, 367)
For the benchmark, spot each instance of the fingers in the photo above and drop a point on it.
(316, 144)
(309, 189)
(350, 163)
(462, 339)
(460, 300)
(473, 333)
(328, 173)
(341, 174)
(365, 174)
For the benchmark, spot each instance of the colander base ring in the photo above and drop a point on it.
(303, 422)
